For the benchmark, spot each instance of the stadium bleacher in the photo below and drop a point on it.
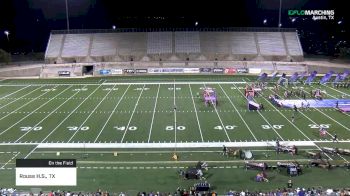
(173, 46)
(76, 45)
(187, 42)
(271, 43)
(243, 43)
(159, 43)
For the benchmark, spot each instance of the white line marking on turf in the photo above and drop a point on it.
(10, 160)
(239, 113)
(154, 111)
(21, 97)
(63, 121)
(71, 97)
(175, 127)
(294, 124)
(87, 118)
(195, 109)
(33, 112)
(25, 104)
(334, 98)
(261, 115)
(15, 92)
(336, 90)
(222, 124)
(109, 117)
(132, 114)
(329, 116)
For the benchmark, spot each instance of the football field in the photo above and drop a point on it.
(154, 112)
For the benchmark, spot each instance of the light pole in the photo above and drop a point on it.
(7, 33)
(67, 16)
(279, 15)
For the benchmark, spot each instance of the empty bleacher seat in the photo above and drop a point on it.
(243, 43)
(104, 44)
(215, 42)
(271, 43)
(76, 45)
(159, 42)
(187, 42)
(54, 45)
(293, 44)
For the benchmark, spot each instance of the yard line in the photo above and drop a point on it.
(222, 124)
(33, 112)
(326, 114)
(294, 124)
(195, 109)
(63, 120)
(132, 114)
(20, 97)
(154, 111)
(115, 107)
(336, 90)
(10, 160)
(87, 118)
(239, 113)
(24, 105)
(337, 99)
(261, 115)
(313, 123)
(49, 114)
(175, 127)
(15, 92)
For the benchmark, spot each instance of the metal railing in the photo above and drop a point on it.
(128, 30)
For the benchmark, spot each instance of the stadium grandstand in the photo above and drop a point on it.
(174, 45)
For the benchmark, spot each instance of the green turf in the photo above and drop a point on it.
(88, 111)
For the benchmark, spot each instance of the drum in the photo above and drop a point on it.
(248, 154)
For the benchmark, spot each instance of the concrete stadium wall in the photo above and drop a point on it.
(21, 72)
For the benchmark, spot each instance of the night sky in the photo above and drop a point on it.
(30, 21)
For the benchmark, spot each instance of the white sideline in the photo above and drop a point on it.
(171, 145)
(168, 145)
(126, 83)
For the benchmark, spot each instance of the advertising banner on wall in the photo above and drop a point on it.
(254, 70)
(141, 70)
(64, 73)
(218, 70)
(166, 70)
(129, 71)
(116, 71)
(230, 71)
(191, 70)
(105, 71)
(205, 70)
(242, 70)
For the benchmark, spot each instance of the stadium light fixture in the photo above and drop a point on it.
(7, 33)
